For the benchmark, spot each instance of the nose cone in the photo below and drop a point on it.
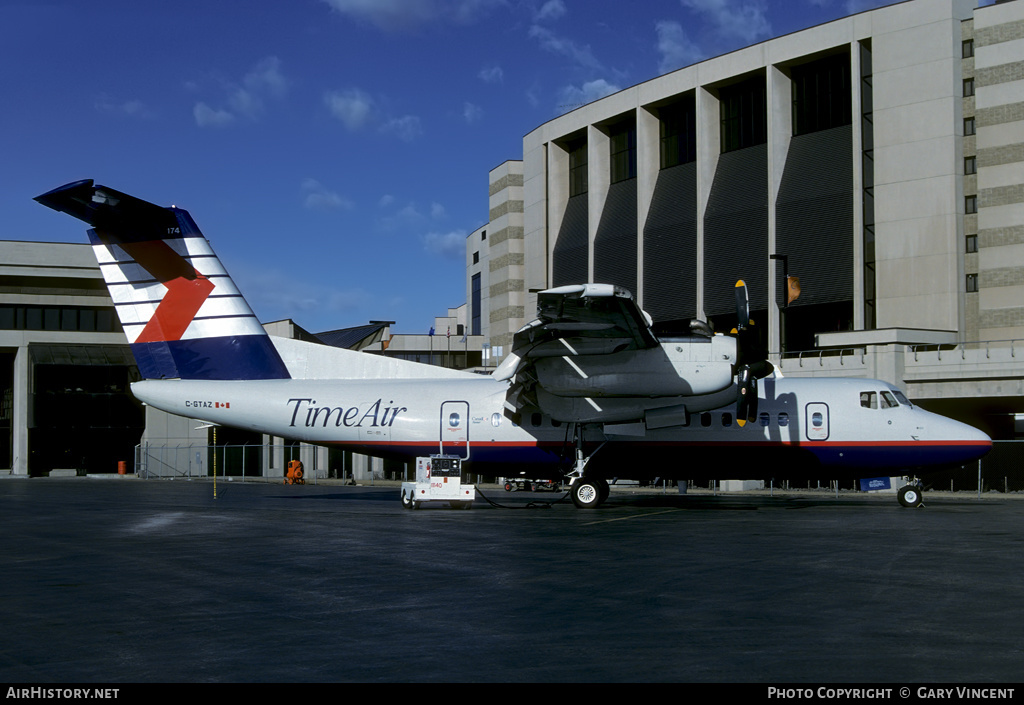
(970, 443)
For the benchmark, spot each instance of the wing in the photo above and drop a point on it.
(591, 356)
(585, 319)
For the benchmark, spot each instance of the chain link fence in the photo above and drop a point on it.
(244, 462)
(1002, 470)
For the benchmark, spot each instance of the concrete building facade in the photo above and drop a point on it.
(495, 259)
(877, 158)
(66, 369)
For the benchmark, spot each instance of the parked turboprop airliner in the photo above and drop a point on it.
(588, 393)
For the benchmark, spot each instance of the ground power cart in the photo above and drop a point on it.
(438, 480)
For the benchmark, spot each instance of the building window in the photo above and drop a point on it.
(968, 126)
(744, 114)
(821, 94)
(968, 87)
(967, 48)
(972, 243)
(679, 133)
(970, 165)
(577, 168)
(475, 305)
(483, 235)
(972, 283)
(476, 258)
(623, 153)
(971, 204)
(56, 318)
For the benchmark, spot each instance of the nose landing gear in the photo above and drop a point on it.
(911, 495)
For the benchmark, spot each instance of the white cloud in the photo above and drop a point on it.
(407, 218)
(491, 74)
(356, 110)
(855, 6)
(571, 97)
(247, 98)
(580, 55)
(471, 112)
(208, 117)
(389, 15)
(450, 245)
(740, 19)
(130, 108)
(410, 217)
(277, 294)
(404, 15)
(353, 107)
(675, 47)
(407, 128)
(266, 78)
(318, 197)
(550, 10)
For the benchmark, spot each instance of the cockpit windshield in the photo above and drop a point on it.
(901, 398)
(885, 399)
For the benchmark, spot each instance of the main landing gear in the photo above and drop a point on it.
(911, 495)
(587, 491)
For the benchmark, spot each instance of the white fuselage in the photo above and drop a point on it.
(812, 424)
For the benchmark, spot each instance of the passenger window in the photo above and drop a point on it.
(535, 419)
(783, 419)
(727, 420)
(888, 401)
(765, 418)
(868, 400)
(705, 419)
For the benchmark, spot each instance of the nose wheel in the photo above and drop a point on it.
(910, 496)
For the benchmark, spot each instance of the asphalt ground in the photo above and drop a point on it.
(132, 581)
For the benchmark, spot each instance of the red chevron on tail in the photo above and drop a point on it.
(187, 289)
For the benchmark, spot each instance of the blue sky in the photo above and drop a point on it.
(335, 152)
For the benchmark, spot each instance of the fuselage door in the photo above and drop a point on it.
(455, 429)
(816, 421)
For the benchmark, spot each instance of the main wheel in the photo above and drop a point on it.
(586, 494)
(910, 496)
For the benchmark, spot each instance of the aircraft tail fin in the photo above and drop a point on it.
(181, 312)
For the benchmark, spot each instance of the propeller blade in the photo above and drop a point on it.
(747, 371)
(746, 396)
(742, 306)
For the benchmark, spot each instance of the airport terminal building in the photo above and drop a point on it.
(877, 161)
